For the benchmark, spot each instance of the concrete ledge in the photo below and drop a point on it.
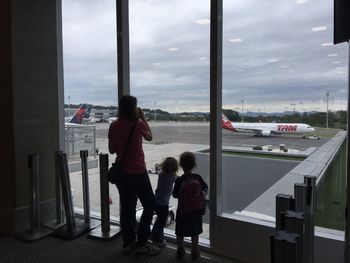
(315, 165)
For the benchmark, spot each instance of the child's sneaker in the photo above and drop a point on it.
(159, 244)
(148, 249)
(180, 252)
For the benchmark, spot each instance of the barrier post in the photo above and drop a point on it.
(105, 231)
(284, 247)
(86, 194)
(35, 232)
(310, 181)
(301, 196)
(295, 224)
(59, 220)
(283, 203)
(73, 227)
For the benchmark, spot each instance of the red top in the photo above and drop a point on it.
(134, 161)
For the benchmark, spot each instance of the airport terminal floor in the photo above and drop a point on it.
(85, 250)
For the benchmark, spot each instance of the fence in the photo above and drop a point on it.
(80, 137)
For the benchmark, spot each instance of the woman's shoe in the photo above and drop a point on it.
(195, 254)
(159, 244)
(129, 248)
(180, 252)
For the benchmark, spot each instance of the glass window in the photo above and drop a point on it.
(169, 64)
(89, 49)
(280, 70)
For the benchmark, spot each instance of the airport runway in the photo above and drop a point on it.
(198, 133)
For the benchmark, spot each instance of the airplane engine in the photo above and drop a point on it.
(266, 133)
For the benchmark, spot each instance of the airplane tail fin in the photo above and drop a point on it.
(79, 115)
(226, 123)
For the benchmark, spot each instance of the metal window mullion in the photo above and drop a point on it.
(60, 77)
(123, 61)
(216, 11)
(347, 216)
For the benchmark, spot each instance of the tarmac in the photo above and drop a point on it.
(171, 139)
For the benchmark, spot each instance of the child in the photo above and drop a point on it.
(191, 207)
(166, 181)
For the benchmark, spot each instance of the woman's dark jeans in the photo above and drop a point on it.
(131, 187)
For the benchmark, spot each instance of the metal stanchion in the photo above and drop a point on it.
(310, 181)
(105, 231)
(295, 217)
(35, 232)
(284, 247)
(294, 222)
(301, 195)
(59, 221)
(86, 196)
(283, 203)
(73, 227)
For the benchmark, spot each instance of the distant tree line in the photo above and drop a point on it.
(161, 115)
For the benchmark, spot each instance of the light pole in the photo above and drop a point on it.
(155, 112)
(69, 106)
(242, 110)
(327, 94)
(293, 104)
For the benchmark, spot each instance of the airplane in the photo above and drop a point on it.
(79, 116)
(87, 119)
(265, 129)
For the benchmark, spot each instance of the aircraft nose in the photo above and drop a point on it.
(312, 129)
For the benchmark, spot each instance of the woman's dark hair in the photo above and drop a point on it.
(127, 107)
(169, 165)
(187, 161)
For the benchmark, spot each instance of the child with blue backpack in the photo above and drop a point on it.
(189, 189)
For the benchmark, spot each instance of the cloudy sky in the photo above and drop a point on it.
(277, 54)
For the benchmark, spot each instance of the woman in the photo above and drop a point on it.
(135, 181)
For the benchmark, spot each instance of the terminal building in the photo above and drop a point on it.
(242, 219)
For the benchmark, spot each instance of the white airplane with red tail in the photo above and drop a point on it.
(265, 129)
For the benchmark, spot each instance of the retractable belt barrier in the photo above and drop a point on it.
(35, 232)
(86, 196)
(59, 220)
(309, 212)
(294, 238)
(105, 231)
(283, 203)
(73, 227)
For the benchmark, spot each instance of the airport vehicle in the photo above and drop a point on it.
(265, 129)
(77, 119)
(112, 119)
(312, 137)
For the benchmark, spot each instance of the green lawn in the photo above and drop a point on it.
(265, 155)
